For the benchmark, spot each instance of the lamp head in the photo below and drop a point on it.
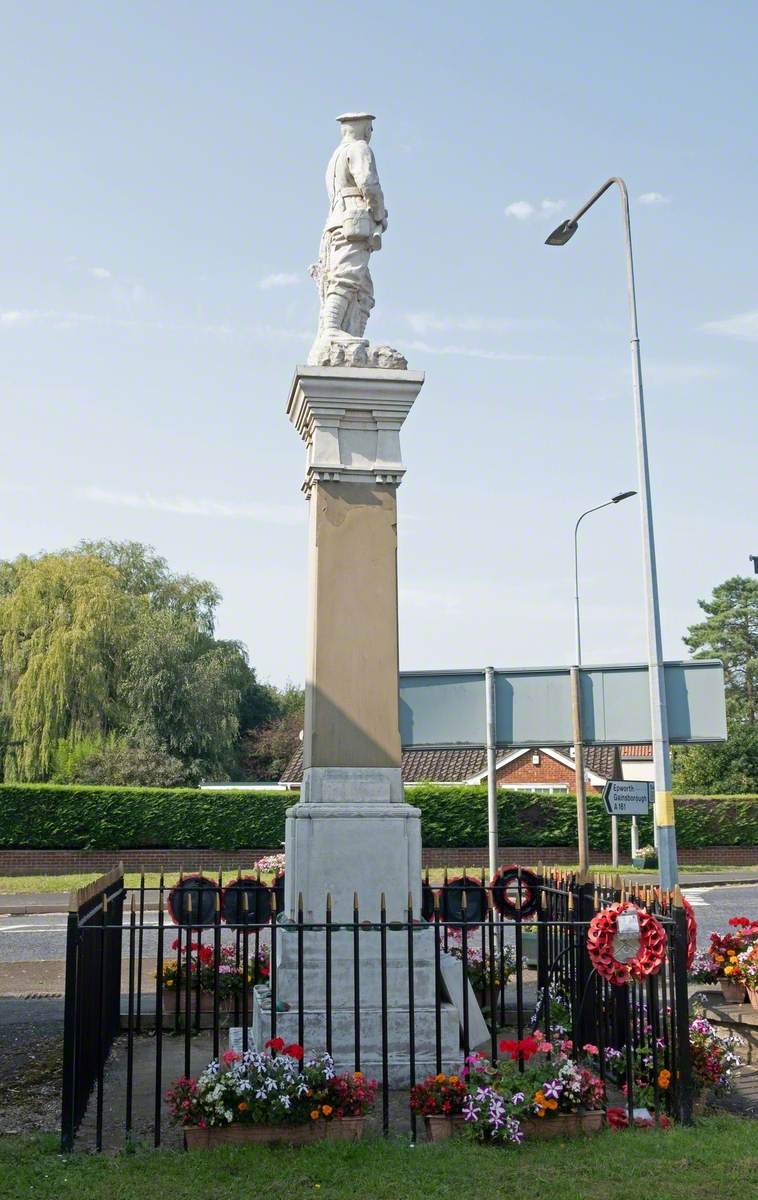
(622, 496)
(562, 234)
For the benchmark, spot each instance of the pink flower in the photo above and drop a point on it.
(588, 1048)
(229, 1057)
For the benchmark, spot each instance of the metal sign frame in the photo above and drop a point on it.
(532, 707)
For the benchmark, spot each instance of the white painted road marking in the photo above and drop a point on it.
(695, 898)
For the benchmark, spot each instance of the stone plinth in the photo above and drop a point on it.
(352, 833)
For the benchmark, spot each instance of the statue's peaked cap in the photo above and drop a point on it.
(348, 118)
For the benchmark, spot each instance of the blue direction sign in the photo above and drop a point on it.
(627, 798)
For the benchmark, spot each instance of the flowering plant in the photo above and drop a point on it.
(254, 1088)
(351, 1094)
(479, 966)
(747, 967)
(703, 969)
(501, 1096)
(725, 947)
(202, 969)
(712, 1056)
(270, 862)
(439, 1096)
(714, 1060)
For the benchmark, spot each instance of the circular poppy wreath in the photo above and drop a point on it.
(258, 901)
(649, 958)
(202, 906)
(451, 902)
(505, 881)
(691, 931)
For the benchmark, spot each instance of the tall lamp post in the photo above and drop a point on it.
(664, 801)
(576, 709)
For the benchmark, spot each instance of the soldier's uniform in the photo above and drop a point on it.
(352, 184)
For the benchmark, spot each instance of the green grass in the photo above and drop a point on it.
(717, 1158)
(18, 884)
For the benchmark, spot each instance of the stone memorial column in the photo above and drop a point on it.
(352, 831)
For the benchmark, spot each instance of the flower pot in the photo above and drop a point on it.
(225, 1007)
(344, 1129)
(638, 861)
(246, 1135)
(439, 1127)
(733, 993)
(752, 994)
(563, 1124)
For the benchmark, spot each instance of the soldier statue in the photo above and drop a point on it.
(354, 226)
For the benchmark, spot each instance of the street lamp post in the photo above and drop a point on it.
(576, 710)
(664, 803)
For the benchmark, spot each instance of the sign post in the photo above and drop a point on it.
(626, 798)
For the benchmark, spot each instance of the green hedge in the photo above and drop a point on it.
(46, 816)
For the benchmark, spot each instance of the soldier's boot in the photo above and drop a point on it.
(333, 314)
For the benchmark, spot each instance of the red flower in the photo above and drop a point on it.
(527, 1047)
(293, 1051)
(617, 1118)
(274, 1044)
(205, 954)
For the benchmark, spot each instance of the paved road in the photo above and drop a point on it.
(38, 939)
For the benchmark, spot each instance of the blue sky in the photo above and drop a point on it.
(163, 196)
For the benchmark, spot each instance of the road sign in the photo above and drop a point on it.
(624, 798)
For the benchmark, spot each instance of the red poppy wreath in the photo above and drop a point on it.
(600, 936)
(691, 931)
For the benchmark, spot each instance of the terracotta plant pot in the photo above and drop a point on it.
(752, 994)
(733, 993)
(246, 1135)
(225, 1007)
(576, 1124)
(344, 1129)
(438, 1128)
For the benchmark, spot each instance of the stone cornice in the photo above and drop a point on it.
(350, 420)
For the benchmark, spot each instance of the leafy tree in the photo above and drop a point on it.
(64, 626)
(266, 750)
(121, 763)
(726, 768)
(730, 632)
(105, 640)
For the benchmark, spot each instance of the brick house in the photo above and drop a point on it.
(539, 768)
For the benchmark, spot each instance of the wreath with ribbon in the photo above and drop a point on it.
(505, 893)
(691, 931)
(647, 961)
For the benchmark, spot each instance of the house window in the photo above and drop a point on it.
(536, 759)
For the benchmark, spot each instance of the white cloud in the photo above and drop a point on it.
(17, 317)
(472, 352)
(100, 272)
(189, 506)
(429, 322)
(742, 325)
(522, 210)
(278, 279)
(679, 372)
(61, 319)
(653, 198)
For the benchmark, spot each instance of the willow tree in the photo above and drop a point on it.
(65, 622)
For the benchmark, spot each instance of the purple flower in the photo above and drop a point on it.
(470, 1111)
(517, 1098)
(553, 1089)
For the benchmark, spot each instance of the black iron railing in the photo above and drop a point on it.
(563, 997)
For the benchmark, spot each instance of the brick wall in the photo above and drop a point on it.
(64, 862)
(522, 770)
